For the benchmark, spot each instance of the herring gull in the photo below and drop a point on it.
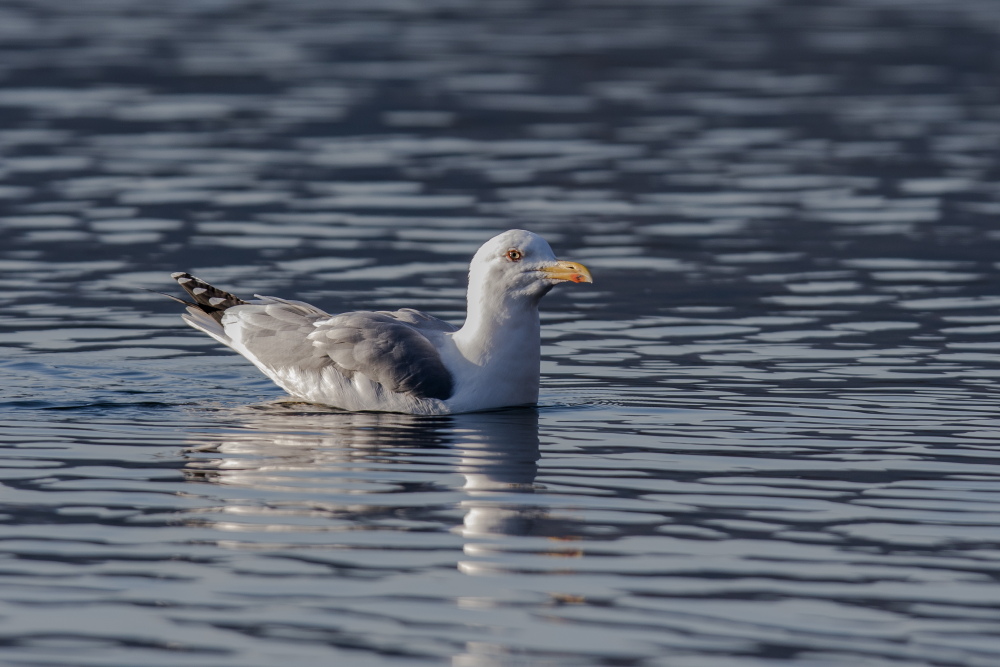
(404, 360)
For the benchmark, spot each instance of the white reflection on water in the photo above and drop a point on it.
(301, 449)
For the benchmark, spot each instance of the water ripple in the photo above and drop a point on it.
(765, 436)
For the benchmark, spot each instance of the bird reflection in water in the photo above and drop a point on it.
(499, 460)
(323, 470)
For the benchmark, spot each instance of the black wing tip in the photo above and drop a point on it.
(207, 298)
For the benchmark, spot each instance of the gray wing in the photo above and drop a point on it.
(419, 321)
(394, 349)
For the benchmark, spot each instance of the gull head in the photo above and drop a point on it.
(519, 266)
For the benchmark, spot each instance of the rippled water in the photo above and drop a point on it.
(767, 434)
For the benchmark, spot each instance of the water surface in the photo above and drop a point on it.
(767, 433)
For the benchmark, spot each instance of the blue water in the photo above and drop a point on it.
(767, 434)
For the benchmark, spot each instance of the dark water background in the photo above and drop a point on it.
(768, 434)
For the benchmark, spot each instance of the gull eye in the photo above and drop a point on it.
(514, 255)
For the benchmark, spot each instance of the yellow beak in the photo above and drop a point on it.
(571, 271)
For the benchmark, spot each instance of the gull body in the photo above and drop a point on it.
(404, 360)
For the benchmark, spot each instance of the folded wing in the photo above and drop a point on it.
(393, 349)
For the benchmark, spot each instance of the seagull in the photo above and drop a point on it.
(404, 360)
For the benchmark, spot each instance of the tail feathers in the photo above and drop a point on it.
(206, 323)
(208, 301)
